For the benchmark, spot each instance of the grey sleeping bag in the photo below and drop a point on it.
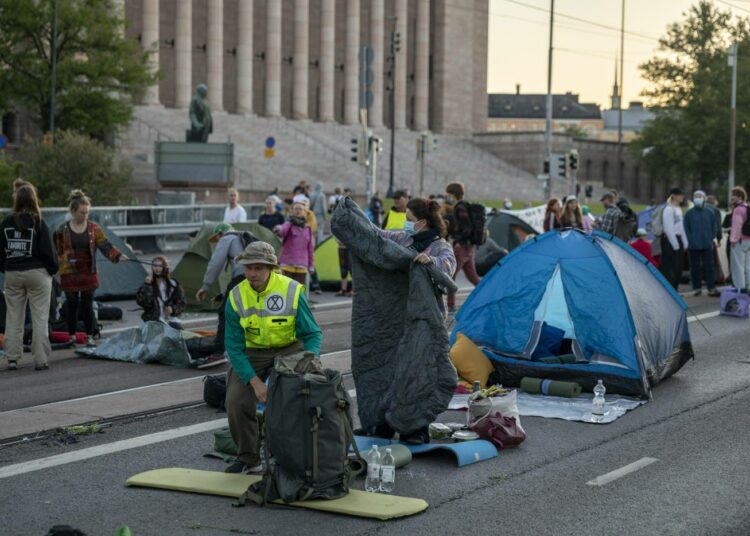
(400, 350)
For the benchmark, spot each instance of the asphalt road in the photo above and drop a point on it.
(696, 428)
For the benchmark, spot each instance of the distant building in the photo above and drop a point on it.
(634, 117)
(527, 112)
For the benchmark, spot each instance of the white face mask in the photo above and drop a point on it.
(699, 201)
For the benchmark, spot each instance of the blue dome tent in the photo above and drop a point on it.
(577, 307)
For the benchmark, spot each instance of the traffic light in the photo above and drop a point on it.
(376, 143)
(546, 167)
(573, 159)
(562, 166)
(359, 150)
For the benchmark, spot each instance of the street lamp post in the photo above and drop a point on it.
(732, 59)
(548, 115)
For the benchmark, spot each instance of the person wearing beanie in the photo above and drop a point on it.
(701, 229)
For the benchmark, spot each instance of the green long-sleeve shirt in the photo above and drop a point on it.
(307, 331)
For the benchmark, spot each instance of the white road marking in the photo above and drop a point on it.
(109, 448)
(621, 472)
(695, 318)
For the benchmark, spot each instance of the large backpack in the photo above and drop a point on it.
(308, 432)
(746, 223)
(478, 217)
(627, 224)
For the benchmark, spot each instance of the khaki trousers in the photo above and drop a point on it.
(34, 287)
(242, 404)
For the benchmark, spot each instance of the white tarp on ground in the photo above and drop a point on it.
(569, 409)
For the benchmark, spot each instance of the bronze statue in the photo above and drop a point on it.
(201, 124)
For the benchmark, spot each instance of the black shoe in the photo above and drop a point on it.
(698, 292)
(12, 365)
(384, 431)
(45, 366)
(420, 437)
(237, 467)
(714, 293)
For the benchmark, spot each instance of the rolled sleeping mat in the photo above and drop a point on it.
(538, 386)
(401, 455)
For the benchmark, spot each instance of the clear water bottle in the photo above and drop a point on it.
(387, 472)
(598, 403)
(372, 482)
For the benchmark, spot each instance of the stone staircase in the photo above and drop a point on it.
(321, 152)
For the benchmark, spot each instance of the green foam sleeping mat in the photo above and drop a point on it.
(356, 503)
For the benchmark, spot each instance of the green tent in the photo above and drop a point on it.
(192, 267)
(327, 263)
(116, 281)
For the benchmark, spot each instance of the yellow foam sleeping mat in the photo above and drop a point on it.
(470, 362)
(355, 503)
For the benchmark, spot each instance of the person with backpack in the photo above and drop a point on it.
(466, 231)
(612, 214)
(229, 244)
(161, 297)
(297, 245)
(77, 242)
(701, 228)
(739, 240)
(674, 240)
(267, 315)
(395, 218)
(29, 261)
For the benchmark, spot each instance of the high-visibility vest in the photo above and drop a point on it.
(396, 221)
(269, 317)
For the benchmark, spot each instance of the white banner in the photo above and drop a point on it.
(533, 216)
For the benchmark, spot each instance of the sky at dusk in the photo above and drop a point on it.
(584, 59)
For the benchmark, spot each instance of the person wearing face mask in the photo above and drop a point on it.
(425, 231)
(701, 229)
(161, 297)
(297, 245)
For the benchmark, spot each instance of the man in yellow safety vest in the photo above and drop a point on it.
(267, 315)
(395, 219)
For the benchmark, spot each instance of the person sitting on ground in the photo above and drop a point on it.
(571, 216)
(642, 245)
(161, 297)
(297, 245)
(272, 216)
(229, 244)
(254, 337)
(612, 214)
(552, 214)
(234, 213)
(701, 228)
(395, 218)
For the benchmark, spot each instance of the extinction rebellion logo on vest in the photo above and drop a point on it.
(275, 303)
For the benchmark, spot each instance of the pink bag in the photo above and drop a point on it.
(503, 432)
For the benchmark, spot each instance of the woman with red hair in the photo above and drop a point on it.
(552, 215)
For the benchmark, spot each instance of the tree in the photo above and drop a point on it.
(99, 71)
(75, 161)
(688, 139)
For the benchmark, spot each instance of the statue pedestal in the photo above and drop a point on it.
(193, 164)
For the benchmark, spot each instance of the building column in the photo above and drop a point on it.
(351, 63)
(183, 49)
(327, 59)
(273, 58)
(422, 67)
(377, 29)
(301, 60)
(150, 40)
(245, 56)
(402, 14)
(215, 55)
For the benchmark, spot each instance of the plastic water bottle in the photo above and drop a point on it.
(598, 403)
(387, 472)
(372, 482)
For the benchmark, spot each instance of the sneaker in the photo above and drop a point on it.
(90, 343)
(12, 365)
(44, 366)
(420, 437)
(318, 291)
(714, 293)
(241, 467)
(698, 292)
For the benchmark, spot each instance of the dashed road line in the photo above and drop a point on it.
(621, 472)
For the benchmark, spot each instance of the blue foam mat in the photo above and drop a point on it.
(466, 452)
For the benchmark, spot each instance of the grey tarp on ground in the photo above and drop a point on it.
(400, 350)
(152, 342)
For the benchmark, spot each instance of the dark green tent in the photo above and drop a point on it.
(192, 267)
(116, 281)
(509, 231)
